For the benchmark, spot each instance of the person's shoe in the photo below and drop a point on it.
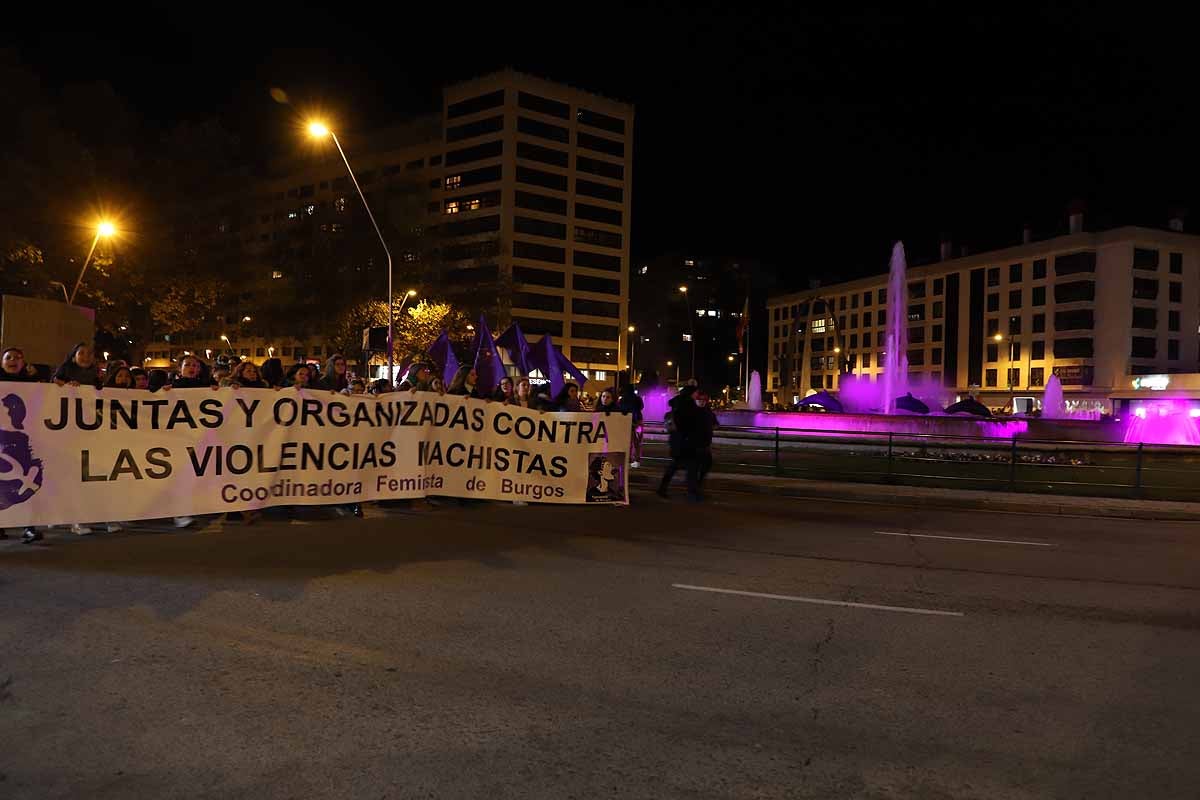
(634, 464)
(183, 522)
(30, 536)
(82, 530)
(115, 527)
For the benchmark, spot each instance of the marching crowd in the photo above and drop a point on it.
(690, 424)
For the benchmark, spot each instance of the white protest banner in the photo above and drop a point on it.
(77, 454)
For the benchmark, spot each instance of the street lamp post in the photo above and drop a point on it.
(319, 130)
(632, 344)
(105, 229)
(691, 326)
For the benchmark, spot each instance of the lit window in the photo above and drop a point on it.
(687, 337)
(687, 262)
(699, 312)
(818, 326)
(310, 208)
(712, 313)
(276, 274)
(453, 181)
(337, 227)
(645, 270)
(293, 215)
(340, 204)
(451, 206)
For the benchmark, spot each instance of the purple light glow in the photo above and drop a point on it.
(1164, 422)
(879, 423)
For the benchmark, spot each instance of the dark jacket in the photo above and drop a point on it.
(330, 379)
(682, 426)
(21, 377)
(631, 404)
(84, 376)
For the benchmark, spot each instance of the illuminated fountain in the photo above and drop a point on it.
(895, 363)
(754, 392)
(1166, 421)
(1052, 399)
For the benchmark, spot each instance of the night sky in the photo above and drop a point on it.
(810, 141)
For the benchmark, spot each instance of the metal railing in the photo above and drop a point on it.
(1048, 466)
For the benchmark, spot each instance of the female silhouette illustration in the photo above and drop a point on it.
(20, 472)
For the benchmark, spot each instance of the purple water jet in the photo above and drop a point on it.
(895, 363)
(1164, 422)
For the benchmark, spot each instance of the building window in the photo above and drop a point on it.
(1144, 258)
(546, 155)
(1073, 348)
(939, 308)
(452, 182)
(1039, 295)
(605, 169)
(1075, 262)
(470, 130)
(881, 295)
(1038, 351)
(1014, 297)
(1039, 323)
(1172, 349)
(866, 360)
(435, 160)
(866, 299)
(1014, 273)
(539, 252)
(936, 356)
(1145, 288)
(583, 258)
(989, 378)
(541, 105)
(613, 194)
(937, 333)
(1080, 320)
(600, 144)
(916, 290)
(1037, 376)
(1175, 291)
(597, 120)
(993, 326)
(916, 358)
(1014, 352)
(608, 216)
(538, 302)
(853, 321)
(842, 303)
(539, 202)
(916, 313)
(1039, 269)
(475, 104)
(1014, 376)
(1173, 320)
(854, 341)
(591, 330)
(598, 238)
(1143, 347)
(993, 276)
(543, 130)
(539, 227)
(854, 301)
(993, 353)
(1014, 325)
(1075, 292)
(993, 302)
(939, 287)
(587, 283)
(1146, 318)
(537, 177)
(916, 335)
(1176, 260)
(881, 317)
(539, 277)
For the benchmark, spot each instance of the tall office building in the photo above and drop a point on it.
(1093, 308)
(520, 182)
(535, 188)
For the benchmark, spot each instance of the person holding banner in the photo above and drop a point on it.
(631, 404)
(191, 376)
(14, 368)
(335, 378)
(246, 376)
(522, 395)
(567, 399)
(119, 378)
(504, 392)
(80, 368)
(465, 383)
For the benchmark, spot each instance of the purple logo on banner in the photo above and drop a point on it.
(20, 472)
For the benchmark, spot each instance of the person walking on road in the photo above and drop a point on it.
(681, 423)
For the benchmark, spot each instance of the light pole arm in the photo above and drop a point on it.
(86, 261)
(387, 252)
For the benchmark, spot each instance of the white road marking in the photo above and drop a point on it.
(818, 601)
(966, 539)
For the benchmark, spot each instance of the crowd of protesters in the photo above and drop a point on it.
(82, 368)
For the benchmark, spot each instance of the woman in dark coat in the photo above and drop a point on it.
(80, 368)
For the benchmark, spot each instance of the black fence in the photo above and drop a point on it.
(1156, 472)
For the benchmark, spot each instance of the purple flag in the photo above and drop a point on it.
(442, 354)
(489, 368)
(517, 346)
(553, 364)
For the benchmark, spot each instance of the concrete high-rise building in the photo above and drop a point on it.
(535, 188)
(1093, 308)
(519, 182)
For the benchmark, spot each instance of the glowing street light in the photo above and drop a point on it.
(228, 345)
(319, 130)
(103, 228)
(246, 319)
(999, 337)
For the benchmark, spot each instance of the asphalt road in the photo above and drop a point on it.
(548, 652)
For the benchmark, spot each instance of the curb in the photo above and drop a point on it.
(919, 497)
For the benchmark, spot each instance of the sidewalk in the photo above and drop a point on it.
(925, 497)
